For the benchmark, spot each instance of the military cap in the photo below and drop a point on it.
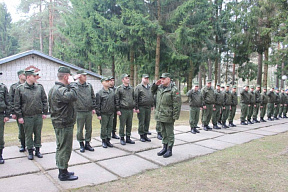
(20, 72)
(234, 87)
(30, 72)
(104, 79)
(196, 84)
(209, 81)
(124, 75)
(110, 77)
(218, 84)
(276, 88)
(82, 72)
(252, 86)
(265, 88)
(246, 86)
(227, 85)
(165, 75)
(64, 70)
(222, 86)
(145, 76)
(258, 86)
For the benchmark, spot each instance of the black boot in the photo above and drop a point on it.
(270, 119)
(219, 123)
(163, 151)
(196, 130)
(230, 124)
(142, 138)
(1, 157)
(37, 153)
(262, 119)
(168, 152)
(64, 175)
(206, 128)
(243, 123)
(276, 118)
(128, 140)
(149, 133)
(233, 125)
(284, 116)
(114, 136)
(104, 144)
(224, 125)
(30, 154)
(122, 141)
(82, 148)
(108, 143)
(250, 122)
(193, 130)
(146, 138)
(159, 136)
(88, 146)
(254, 120)
(280, 116)
(216, 127)
(22, 148)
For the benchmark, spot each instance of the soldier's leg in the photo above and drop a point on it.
(37, 129)
(281, 110)
(21, 134)
(164, 133)
(263, 110)
(205, 116)
(285, 111)
(80, 125)
(214, 117)
(114, 123)
(197, 114)
(209, 115)
(255, 111)
(104, 126)
(2, 143)
(192, 118)
(158, 127)
(129, 122)
(122, 119)
(28, 128)
(276, 110)
(232, 113)
(141, 121)
(242, 117)
(147, 120)
(110, 125)
(170, 133)
(88, 126)
(269, 110)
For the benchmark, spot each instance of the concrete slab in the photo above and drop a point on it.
(140, 146)
(93, 143)
(26, 183)
(48, 161)
(180, 153)
(242, 128)
(214, 144)
(48, 147)
(210, 134)
(183, 128)
(189, 137)
(89, 174)
(129, 165)
(12, 152)
(100, 153)
(238, 138)
(277, 129)
(17, 166)
(261, 132)
(225, 131)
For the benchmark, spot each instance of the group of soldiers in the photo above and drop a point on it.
(72, 100)
(220, 105)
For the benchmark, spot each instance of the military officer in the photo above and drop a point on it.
(257, 94)
(144, 101)
(105, 109)
(208, 102)
(219, 100)
(62, 97)
(168, 107)
(277, 104)
(245, 104)
(282, 103)
(85, 107)
(196, 103)
(31, 107)
(270, 106)
(5, 110)
(112, 86)
(125, 106)
(252, 104)
(21, 134)
(234, 104)
(263, 105)
(226, 106)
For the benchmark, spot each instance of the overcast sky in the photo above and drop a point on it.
(12, 9)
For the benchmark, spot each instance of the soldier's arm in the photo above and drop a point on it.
(67, 95)
(11, 94)
(7, 102)
(93, 97)
(44, 101)
(117, 99)
(189, 93)
(98, 104)
(136, 97)
(17, 104)
(176, 104)
(154, 88)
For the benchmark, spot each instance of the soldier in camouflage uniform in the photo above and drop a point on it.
(62, 97)
(5, 111)
(31, 107)
(257, 94)
(234, 104)
(219, 100)
(270, 105)
(263, 105)
(245, 104)
(208, 102)
(21, 134)
(252, 104)
(112, 86)
(168, 107)
(226, 106)
(85, 107)
(282, 103)
(277, 104)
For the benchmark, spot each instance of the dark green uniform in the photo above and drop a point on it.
(282, 104)
(257, 94)
(286, 106)
(252, 105)
(219, 100)
(264, 101)
(233, 107)
(195, 102)
(63, 116)
(270, 105)
(144, 101)
(208, 101)
(5, 111)
(226, 104)
(277, 105)
(245, 101)
(84, 106)
(115, 115)
(30, 103)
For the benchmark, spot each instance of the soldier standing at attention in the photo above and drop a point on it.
(263, 105)
(252, 104)
(105, 109)
(222, 90)
(282, 103)
(270, 105)
(21, 134)
(277, 104)
(226, 106)
(208, 102)
(195, 101)
(245, 103)
(285, 105)
(144, 101)
(234, 104)
(4, 115)
(62, 97)
(219, 99)
(168, 107)
(125, 106)
(31, 107)
(85, 107)
(112, 86)
(257, 93)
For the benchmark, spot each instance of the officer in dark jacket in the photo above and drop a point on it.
(208, 102)
(245, 103)
(85, 107)
(257, 94)
(282, 103)
(252, 104)
(31, 107)
(144, 101)
(270, 105)
(105, 109)
(216, 114)
(226, 106)
(277, 104)
(21, 135)
(5, 111)
(62, 97)
(196, 103)
(125, 106)
(112, 86)
(263, 105)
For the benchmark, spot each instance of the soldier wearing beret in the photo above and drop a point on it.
(31, 107)
(263, 105)
(21, 134)
(234, 104)
(270, 106)
(257, 94)
(62, 97)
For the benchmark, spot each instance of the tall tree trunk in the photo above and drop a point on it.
(209, 69)
(216, 68)
(265, 68)
(260, 64)
(99, 69)
(131, 66)
(89, 66)
(233, 72)
(190, 76)
(135, 75)
(200, 78)
(113, 66)
(40, 27)
(51, 17)
(282, 74)
(157, 59)
(219, 67)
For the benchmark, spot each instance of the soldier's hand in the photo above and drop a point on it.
(275, 105)
(70, 80)
(261, 106)
(14, 116)
(249, 105)
(119, 113)
(6, 119)
(44, 116)
(255, 106)
(93, 112)
(230, 108)
(137, 111)
(99, 117)
(204, 107)
(214, 109)
(158, 82)
(21, 121)
(223, 107)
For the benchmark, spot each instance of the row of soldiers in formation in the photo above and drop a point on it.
(70, 101)
(220, 104)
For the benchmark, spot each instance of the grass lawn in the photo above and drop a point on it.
(260, 165)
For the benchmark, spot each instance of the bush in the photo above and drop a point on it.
(185, 90)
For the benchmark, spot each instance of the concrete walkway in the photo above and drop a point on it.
(104, 165)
